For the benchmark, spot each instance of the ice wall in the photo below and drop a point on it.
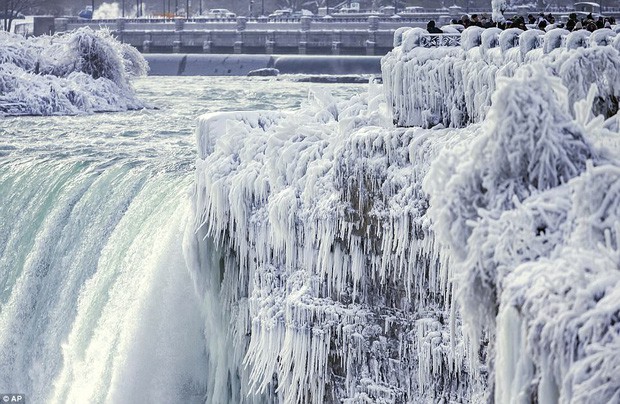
(70, 73)
(528, 213)
(453, 85)
(331, 278)
(363, 262)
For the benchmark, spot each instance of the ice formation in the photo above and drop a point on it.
(350, 260)
(535, 253)
(453, 86)
(70, 73)
(300, 206)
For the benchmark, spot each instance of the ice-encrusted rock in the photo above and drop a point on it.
(70, 73)
(356, 261)
(326, 304)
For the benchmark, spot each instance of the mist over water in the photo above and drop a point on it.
(96, 300)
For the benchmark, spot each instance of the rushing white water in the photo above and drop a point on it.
(96, 301)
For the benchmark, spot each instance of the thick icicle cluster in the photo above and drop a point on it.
(70, 73)
(331, 276)
(360, 262)
(453, 85)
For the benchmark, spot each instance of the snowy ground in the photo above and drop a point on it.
(364, 262)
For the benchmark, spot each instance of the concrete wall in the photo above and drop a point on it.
(320, 64)
(372, 36)
(241, 65)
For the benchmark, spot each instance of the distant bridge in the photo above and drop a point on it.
(368, 35)
(371, 35)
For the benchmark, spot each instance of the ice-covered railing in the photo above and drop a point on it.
(78, 72)
(435, 40)
(453, 86)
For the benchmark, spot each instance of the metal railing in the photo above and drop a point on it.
(440, 40)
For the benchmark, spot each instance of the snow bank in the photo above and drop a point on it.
(453, 86)
(360, 262)
(70, 73)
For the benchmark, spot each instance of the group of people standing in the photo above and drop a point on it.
(542, 22)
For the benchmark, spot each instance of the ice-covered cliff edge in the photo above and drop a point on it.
(528, 213)
(330, 276)
(348, 260)
(78, 72)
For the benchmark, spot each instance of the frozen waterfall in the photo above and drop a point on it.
(448, 236)
(365, 262)
(97, 304)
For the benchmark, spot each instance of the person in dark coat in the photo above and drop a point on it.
(432, 29)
